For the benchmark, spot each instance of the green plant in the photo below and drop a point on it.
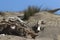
(30, 11)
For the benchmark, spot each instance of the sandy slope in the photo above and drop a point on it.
(51, 31)
(10, 37)
(52, 24)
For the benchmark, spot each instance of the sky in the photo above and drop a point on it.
(20, 5)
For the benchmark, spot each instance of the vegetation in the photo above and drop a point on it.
(2, 13)
(30, 11)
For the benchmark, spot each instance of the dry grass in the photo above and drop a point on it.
(30, 11)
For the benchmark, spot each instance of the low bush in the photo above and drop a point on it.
(30, 11)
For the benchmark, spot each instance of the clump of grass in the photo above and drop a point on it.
(2, 13)
(30, 11)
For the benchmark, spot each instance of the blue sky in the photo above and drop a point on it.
(19, 5)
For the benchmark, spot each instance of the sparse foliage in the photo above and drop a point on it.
(2, 13)
(30, 11)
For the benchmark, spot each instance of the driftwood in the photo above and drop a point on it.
(15, 28)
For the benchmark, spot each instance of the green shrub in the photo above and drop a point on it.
(30, 11)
